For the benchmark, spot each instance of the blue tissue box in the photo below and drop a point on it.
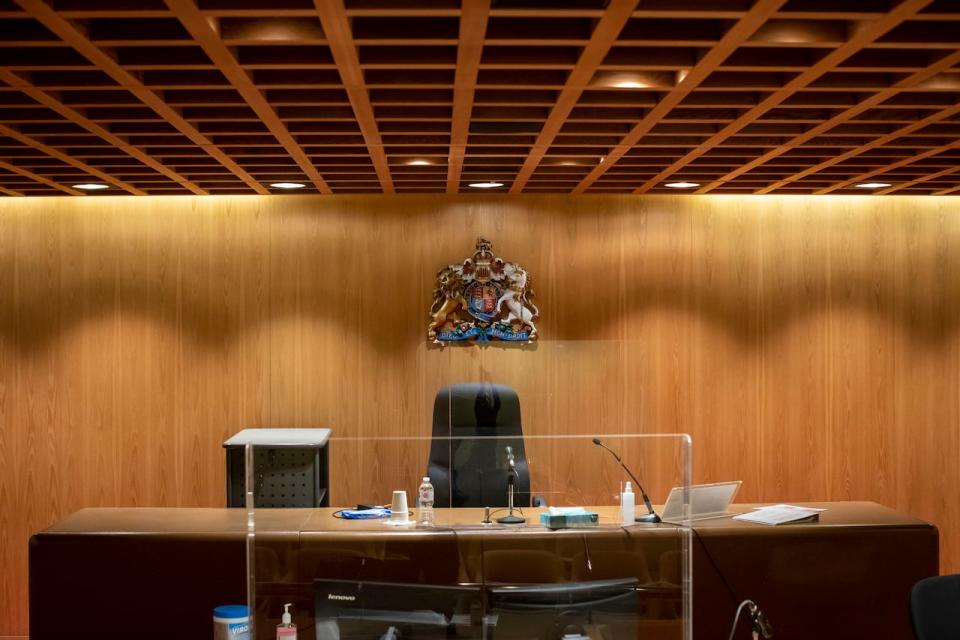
(569, 521)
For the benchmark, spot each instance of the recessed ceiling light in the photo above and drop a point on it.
(872, 185)
(568, 163)
(288, 185)
(635, 80)
(92, 186)
(682, 185)
(418, 163)
(486, 185)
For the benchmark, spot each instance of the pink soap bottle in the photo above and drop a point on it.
(286, 630)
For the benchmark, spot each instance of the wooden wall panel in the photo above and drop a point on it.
(809, 345)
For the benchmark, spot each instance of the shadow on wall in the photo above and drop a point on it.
(215, 267)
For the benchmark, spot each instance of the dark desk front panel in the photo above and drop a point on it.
(847, 576)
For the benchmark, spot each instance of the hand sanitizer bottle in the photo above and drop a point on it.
(425, 502)
(286, 630)
(628, 504)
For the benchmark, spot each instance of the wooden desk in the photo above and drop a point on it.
(848, 575)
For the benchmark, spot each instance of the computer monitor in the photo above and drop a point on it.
(348, 610)
(597, 610)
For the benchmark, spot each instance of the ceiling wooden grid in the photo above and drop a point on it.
(419, 96)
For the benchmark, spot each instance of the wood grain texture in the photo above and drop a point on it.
(809, 345)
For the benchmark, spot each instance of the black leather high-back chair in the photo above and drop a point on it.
(935, 608)
(473, 424)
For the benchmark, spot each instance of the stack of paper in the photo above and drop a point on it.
(780, 514)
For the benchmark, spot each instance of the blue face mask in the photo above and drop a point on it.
(365, 514)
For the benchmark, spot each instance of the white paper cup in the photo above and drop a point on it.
(398, 507)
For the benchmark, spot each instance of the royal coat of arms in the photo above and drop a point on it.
(483, 299)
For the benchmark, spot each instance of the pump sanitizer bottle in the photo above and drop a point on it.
(628, 504)
(286, 630)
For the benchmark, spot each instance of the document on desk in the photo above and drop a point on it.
(780, 514)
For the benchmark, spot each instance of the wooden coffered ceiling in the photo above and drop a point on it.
(558, 96)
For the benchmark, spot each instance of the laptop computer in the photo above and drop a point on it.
(706, 501)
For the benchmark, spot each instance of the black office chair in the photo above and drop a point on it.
(470, 472)
(935, 608)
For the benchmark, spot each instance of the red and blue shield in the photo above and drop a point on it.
(482, 300)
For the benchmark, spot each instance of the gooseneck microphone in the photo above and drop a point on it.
(512, 475)
(651, 515)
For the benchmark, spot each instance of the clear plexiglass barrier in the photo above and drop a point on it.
(528, 535)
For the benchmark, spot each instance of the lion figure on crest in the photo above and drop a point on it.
(447, 298)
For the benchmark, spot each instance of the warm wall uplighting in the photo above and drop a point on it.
(682, 185)
(92, 186)
(288, 185)
(486, 185)
(873, 185)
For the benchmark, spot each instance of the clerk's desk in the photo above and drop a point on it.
(848, 575)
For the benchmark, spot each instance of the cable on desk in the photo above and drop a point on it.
(760, 624)
(713, 563)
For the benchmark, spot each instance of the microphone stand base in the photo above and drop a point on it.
(511, 520)
(650, 518)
